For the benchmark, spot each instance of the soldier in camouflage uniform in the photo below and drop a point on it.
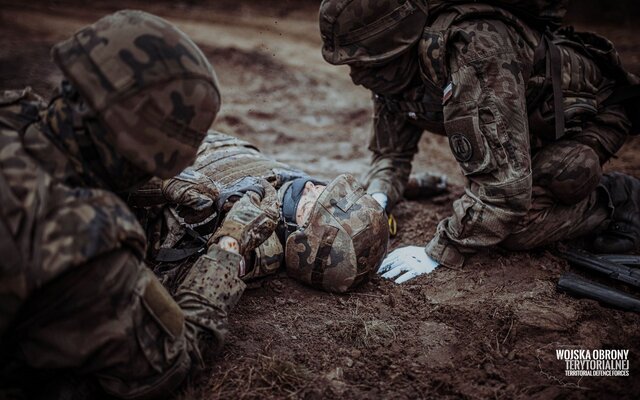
(331, 236)
(75, 296)
(528, 113)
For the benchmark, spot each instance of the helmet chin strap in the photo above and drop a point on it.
(290, 199)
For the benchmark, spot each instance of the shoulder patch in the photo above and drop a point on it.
(461, 147)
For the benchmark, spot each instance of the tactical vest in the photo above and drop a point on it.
(48, 227)
(226, 159)
(559, 97)
(427, 110)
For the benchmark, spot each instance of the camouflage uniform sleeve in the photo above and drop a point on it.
(174, 336)
(112, 318)
(394, 143)
(486, 123)
(207, 295)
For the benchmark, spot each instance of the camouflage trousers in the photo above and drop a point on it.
(567, 198)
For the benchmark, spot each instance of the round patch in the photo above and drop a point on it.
(460, 147)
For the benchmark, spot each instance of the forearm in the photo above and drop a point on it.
(393, 145)
(486, 123)
(213, 285)
(480, 221)
(207, 295)
(388, 176)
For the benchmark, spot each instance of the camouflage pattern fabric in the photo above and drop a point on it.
(346, 42)
(194, 192)
(373, 32)
(549, 221)
(225, 160)
(251, 220)
(393, 144)
(344, 241)
(146, 80)
(82, 139)
(479, 85)
(222, 160)
(268, 259)
(493, 138)
(388, 79)
(570, 170)
(76, 296)
(89, 243)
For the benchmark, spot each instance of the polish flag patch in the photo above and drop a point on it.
(448, 91)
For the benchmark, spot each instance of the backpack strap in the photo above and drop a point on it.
(549, 53)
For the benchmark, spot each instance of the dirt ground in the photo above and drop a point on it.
(488, 330)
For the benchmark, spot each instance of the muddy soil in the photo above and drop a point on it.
(488, 330)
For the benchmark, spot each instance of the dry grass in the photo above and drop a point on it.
(257, 378)
(362, 329)
(371, 333)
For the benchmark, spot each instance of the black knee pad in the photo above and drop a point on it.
(568, 169)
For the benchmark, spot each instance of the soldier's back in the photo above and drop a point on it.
(47, 225)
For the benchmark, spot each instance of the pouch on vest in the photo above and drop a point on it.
(603, 52)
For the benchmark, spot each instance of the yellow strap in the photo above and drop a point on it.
(393, 226)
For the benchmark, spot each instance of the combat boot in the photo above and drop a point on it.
(623, 233)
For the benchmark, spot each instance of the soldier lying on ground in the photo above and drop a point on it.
(532, 113)
(330, 235)
(76, 299)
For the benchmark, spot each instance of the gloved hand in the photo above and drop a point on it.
(381, 198)
(406, 263)
(242, 186)
(194, 194)
(250, 221)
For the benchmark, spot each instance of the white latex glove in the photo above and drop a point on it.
(381, 198)
(406, 263)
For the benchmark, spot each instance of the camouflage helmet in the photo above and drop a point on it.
(344, 240)
(149, 85)
(369, 31)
